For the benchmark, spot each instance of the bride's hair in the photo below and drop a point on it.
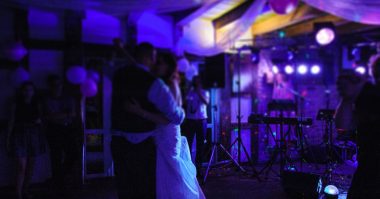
(171, 62)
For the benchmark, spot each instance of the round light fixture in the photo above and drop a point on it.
(289, 69)
(325, 36)
(360, 69)
(275, 69)
(315, 69)
(302, 69)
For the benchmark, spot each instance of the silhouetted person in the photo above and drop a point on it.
(25, 138)
(62, 136)
(360, 109)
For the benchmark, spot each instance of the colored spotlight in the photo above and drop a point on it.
(289, 69)
(331, 191)
(315, 69)
(360, 69)
(302, 69)
(290, 55)
(275, 69)
(325, 36)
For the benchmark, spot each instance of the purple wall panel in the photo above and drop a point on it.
(44, 62)
(155, 29)
(47, 25)
(100, 28)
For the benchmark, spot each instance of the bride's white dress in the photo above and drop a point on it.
(176, 173)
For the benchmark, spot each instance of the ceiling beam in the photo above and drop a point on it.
(307, 26)
(275, 22)
(232, 15)
(197, 13)
(182, 14)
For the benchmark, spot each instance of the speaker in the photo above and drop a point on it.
(301, 185)
(213, 71)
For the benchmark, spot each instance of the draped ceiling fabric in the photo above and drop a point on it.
(361, 11)
(201, 38)
(113, 7)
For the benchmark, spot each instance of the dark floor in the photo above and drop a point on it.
(223, 182)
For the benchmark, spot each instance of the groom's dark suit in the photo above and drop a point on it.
(132, 145)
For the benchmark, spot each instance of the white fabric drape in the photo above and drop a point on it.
(202, 39)
(362, 11)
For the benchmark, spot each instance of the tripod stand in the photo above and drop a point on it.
(326, 115)
(238, 139)
(215, 144)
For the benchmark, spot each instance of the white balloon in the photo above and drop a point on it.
(183, 65)
(76, 74)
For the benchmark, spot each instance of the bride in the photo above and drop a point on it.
(175, 172)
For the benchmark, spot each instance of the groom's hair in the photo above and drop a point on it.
(144, 50)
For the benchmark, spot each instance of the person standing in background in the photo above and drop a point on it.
(195, 123)
(25, 139)
(62, 136)
(359, 109)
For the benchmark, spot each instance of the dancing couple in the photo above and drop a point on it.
(151, 158)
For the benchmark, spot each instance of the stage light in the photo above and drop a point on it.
(315, 69)
(331, 191)
(290, 55)
(275, 69)
(255, 57)
(281, 34)
(325, 36)
(302, 69)
(324, 33)
(360, 69)
(289, 69)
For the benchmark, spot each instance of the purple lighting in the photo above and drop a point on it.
(360, 69)
(275, 69)
(302, 69)
(315, 69)
(76, 74)
(290, 55)
(289, 69)
(325, 36)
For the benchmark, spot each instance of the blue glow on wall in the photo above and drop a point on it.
(100, 28)
(46, 25)
(155, 29)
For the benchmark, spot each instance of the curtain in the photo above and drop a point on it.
(361, 11)
(200, 37)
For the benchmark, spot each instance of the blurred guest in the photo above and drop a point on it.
(283, 89)
(63, 138)
(196, 118)
(25, 139)
(360, 109)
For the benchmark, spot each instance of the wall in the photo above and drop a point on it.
(46, 44)
(156, 29)
(100, 28)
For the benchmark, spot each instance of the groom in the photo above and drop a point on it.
(132, 145)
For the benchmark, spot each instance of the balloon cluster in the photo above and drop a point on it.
(283, 7)
(87, 79)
